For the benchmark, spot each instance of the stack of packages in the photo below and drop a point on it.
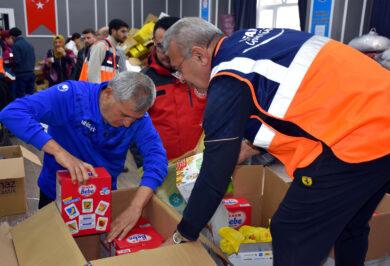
(138, 43)
(86, 210)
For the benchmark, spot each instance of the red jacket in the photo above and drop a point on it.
(177, 112)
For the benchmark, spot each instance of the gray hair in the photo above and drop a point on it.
(136, 87)
(190, 32)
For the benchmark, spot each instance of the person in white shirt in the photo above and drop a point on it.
(74, 43)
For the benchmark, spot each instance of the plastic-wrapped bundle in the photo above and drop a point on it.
(371, 42)
(384, 58)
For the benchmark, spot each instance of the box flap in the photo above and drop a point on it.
(11, 168)
(378, 239)
(30, 156)
(276, 185)
(247, 183)
(384, 205)
(43, 239)
(184, 254)
(7, 152)
(7, 252)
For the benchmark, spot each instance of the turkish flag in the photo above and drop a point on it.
(41, 12)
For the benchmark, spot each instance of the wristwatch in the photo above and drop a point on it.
(178, 238)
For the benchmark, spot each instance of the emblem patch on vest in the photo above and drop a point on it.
(307, 181)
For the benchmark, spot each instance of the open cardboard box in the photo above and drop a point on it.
(12, 174)
(43, 239)
(265, 188)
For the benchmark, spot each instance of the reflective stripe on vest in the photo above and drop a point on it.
(1, 66)
(289, 79)
(106, 72)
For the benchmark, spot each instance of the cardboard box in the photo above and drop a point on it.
(43, 239)
(240, 211)
(141, 237)
(85, 208)
(265, 188)
(258, 254)
(12, 190)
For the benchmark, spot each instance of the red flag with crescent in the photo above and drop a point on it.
(41, 12)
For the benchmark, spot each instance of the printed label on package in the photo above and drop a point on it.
(236, 219)
(86, 221)
(102, 207)
(72, 211)
(137, 238)
(101, 224)
(105, 191)
(70, 200)
(72, 226)
(87, 190)
(87, 205)
(229, 201)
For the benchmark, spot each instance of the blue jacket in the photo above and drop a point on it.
(71, 109)
(24, 56)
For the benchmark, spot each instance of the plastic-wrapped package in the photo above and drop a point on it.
(384, 59)
(371, 42)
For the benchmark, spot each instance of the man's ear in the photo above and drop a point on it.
(107, 92)
(201, 55)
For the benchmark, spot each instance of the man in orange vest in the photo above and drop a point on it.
(319, 106)
(102, 64)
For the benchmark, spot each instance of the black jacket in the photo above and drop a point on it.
(24, 56)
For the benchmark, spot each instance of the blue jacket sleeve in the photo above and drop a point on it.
(24, 115)
(155, 162)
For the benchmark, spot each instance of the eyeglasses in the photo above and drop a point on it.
(179, 71)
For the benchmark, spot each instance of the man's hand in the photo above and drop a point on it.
(247, 151)
(129, 217)
(78, 169)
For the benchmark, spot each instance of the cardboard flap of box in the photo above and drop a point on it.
(155, 210)
(378, 239)
(43, 239)
(12, 168)
(7, 251)
(247, 183)
(384, 205)
(30, 156)
(184, 254)
(276, 184)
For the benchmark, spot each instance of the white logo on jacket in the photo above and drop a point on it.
(63, 87)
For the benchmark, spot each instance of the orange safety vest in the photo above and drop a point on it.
(332, 92)
(108, 67)
(1, 64)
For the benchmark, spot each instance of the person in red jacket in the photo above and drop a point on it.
(178, 110)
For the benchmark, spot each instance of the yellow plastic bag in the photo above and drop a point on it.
(255, 234)
(231, 235)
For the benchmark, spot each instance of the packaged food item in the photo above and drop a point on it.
(240, 211)
(85, 208)
(142, 236)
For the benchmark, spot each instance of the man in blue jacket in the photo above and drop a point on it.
(92, 125)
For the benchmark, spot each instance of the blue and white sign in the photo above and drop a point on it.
(320, 17)
(205, 9)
